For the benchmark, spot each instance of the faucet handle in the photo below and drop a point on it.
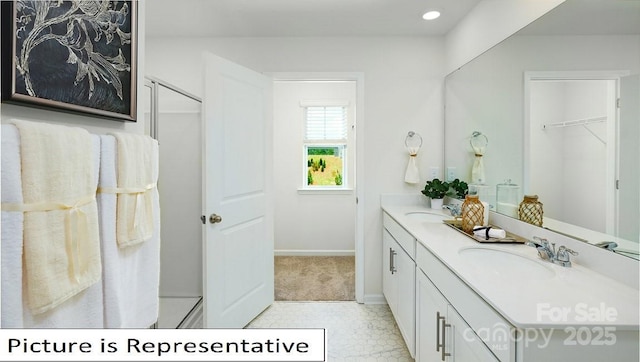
(563, 248)
(545, 251)
(562, 257)
(538, 241)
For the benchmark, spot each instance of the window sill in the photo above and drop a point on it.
(325, 191)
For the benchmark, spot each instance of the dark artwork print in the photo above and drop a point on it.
(77, 53)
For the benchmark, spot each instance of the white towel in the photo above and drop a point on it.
(84, 310)
(11, 229)
(131, 275)
(412, 175)
(489, 232)
(60, 238)
(136, 183)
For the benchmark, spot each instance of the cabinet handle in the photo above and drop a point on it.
(444, 343)
(392, 267)
(438, 344)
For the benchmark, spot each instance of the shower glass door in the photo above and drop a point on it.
(175, 121)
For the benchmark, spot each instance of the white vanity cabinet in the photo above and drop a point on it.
(452, 308)
(441, 333)
(471, 329)
(398, 279)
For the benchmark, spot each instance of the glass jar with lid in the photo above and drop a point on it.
(508, 198)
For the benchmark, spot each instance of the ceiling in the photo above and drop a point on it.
(303, 18)
(589, 17)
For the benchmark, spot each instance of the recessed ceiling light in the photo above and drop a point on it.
(430, 15)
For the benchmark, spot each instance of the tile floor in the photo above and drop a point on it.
(355, 332)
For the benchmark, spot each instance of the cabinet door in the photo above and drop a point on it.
(463, 344)
(406, 299)
(389, 277)
(431, 309)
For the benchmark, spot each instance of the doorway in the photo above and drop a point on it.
(316, 222)
(571, 121)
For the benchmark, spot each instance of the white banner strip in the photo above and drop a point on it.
(163, 344)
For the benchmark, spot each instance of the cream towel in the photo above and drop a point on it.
(83, 310)
(412, 175)
(61, 240)
(137, 157)
(131, 276)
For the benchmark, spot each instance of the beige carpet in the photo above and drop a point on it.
(314, 278)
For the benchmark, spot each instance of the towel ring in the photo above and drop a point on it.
(478, 140)
(413, 136)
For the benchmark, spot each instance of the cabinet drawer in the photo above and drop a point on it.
(488, 324)
(402, 236)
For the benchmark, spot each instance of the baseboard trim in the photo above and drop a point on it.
(314, 252)
(374, 299)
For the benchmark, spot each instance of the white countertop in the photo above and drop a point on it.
(559, 297)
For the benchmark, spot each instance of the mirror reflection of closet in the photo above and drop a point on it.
(572, 164)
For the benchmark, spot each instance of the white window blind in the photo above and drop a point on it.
(326, 123)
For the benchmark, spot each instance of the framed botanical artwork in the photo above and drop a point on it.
(74, 56)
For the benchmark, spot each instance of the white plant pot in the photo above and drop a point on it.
(436, 204)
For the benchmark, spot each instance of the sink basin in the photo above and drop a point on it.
(504, 264)
(425, 216)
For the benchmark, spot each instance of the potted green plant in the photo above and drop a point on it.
(458, 189)
(436, 190)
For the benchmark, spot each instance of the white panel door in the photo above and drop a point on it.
(238, 234)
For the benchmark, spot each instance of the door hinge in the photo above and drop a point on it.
(617, 102)
(356, 200)
(617, 184)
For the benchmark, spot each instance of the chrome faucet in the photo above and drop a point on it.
(609, 245)
(454, 209)
(547, 251)
(562, 257)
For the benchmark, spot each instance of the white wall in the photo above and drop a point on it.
(403, 79)
(585, 157)
(490, 22)
(92, 124)
(310, 222)
(547, 106)
(569, 167)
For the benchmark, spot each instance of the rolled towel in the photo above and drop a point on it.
(489, 232)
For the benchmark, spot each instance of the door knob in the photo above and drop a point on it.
(215, 218)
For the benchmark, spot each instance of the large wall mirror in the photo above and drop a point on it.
(559, 104)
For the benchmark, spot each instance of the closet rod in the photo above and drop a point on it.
(578, 122)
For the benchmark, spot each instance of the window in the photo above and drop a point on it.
(325, 146)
